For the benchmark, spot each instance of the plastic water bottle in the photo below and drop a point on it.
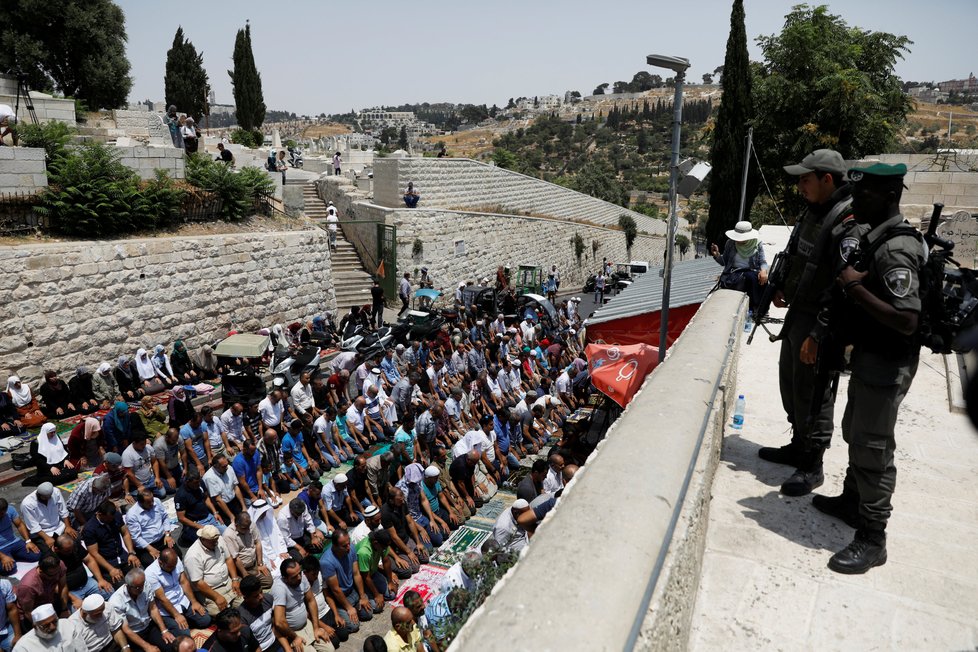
(749, 324)
(738, 416)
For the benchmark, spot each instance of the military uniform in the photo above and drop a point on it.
(883, 363)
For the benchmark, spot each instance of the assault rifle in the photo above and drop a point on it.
(777, 274)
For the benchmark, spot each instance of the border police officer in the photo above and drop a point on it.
(813, 264)
(882, 311)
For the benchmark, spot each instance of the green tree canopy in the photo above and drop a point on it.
(824, 83)
(185, 82)
(249, 102)
(402, 138)
(77, 47)
(598, 180)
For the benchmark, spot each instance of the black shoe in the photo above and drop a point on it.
(802, 483)
(867, 549)
(844, 508)
(789, 455)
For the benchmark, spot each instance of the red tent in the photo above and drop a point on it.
(618, 371)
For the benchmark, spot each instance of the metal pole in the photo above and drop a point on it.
(677, 121)
(743, 181)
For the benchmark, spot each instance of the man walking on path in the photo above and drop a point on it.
(404, 293)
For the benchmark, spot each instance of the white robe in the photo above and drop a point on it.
(272, 542)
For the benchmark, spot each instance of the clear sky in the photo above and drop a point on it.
(329, 56)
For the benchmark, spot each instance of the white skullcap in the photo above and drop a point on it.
(93, 602)
(432, 472)
(520, 504)
(340, 479)
(43, 612)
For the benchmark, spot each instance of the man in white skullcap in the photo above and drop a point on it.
(507, 532)
(99, 626)
(51, 634)
(46, 516)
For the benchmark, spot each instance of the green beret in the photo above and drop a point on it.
(878, 172)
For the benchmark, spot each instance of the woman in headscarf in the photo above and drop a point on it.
(9, 419)
(56, 400)
(207, 364)
(48, 454)
(154, 419)
(25, 403)
(183, 367)
(117, 427)
(151, 381)
(86, 444)
(744, 264)
(274, 548)
(82, 391)
(162, 363)
(104, 387)
(178, 407)
(127, 380)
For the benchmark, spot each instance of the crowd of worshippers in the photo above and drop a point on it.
(458, 413)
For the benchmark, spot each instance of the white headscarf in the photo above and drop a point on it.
(104, 368)
(145, 368)
(20, 397)
(49, 444)
(272, 541)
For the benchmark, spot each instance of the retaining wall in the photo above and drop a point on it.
(615, 566)
(22, 169)
(468, 184)
(146, 160)
(946, 178)
(74, 303)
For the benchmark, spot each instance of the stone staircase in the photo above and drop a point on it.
(350, 281)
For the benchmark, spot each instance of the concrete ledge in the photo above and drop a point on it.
(616, 565)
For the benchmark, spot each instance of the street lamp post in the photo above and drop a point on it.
(678, 65)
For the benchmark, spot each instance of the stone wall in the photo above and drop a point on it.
(468, 246)
(946, 178)
(141, 124)
(22, 169)
(74, 303)
(146, 160)
(468, 184)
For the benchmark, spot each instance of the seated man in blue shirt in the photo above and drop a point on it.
(150, 527)
(341, 573)
(12, 547)
(247, 466)
(293, 442)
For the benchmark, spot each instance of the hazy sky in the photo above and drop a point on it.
(327, 56)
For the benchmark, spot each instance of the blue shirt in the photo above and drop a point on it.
(502, 434)
(7, 536)
(249, 468)
(196, 437)
(329, 565)
(147, 525)
(437, 613)
(7, 593)
(293, 443)
(390, 370)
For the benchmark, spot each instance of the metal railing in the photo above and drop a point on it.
(17, 215)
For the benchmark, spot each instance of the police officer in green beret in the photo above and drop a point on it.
(882, 309)
(814, 262)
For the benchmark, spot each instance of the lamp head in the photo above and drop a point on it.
(676, 64)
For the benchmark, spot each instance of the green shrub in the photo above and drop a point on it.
(237, 190)
(254, 138)
(92, 194)
(52, 136)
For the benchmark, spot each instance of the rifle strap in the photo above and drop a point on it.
(821, 243)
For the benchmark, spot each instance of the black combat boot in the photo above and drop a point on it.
(807, 477)
(867, 549)
(790, 455)
(844, 507)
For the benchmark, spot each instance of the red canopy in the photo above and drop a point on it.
(618, 371)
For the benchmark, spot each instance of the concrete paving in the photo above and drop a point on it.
(765, 584)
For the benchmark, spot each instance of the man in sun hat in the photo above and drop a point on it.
(744, 264)
(816, 250)
(882, 309)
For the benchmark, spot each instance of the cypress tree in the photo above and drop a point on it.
(730, 134)
(249, 103)
(185, 83)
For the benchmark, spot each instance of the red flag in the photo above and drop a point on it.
(380, 269)
(619, 371)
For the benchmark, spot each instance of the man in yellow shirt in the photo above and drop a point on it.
(405, 636)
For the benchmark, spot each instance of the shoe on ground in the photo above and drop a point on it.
(802, 483)
(789, 455)
(842, 507)
(868, 549)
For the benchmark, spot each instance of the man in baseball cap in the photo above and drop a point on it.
(816, 248)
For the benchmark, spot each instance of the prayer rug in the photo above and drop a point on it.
(462, 540)
(68, 487)
(427, 582)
